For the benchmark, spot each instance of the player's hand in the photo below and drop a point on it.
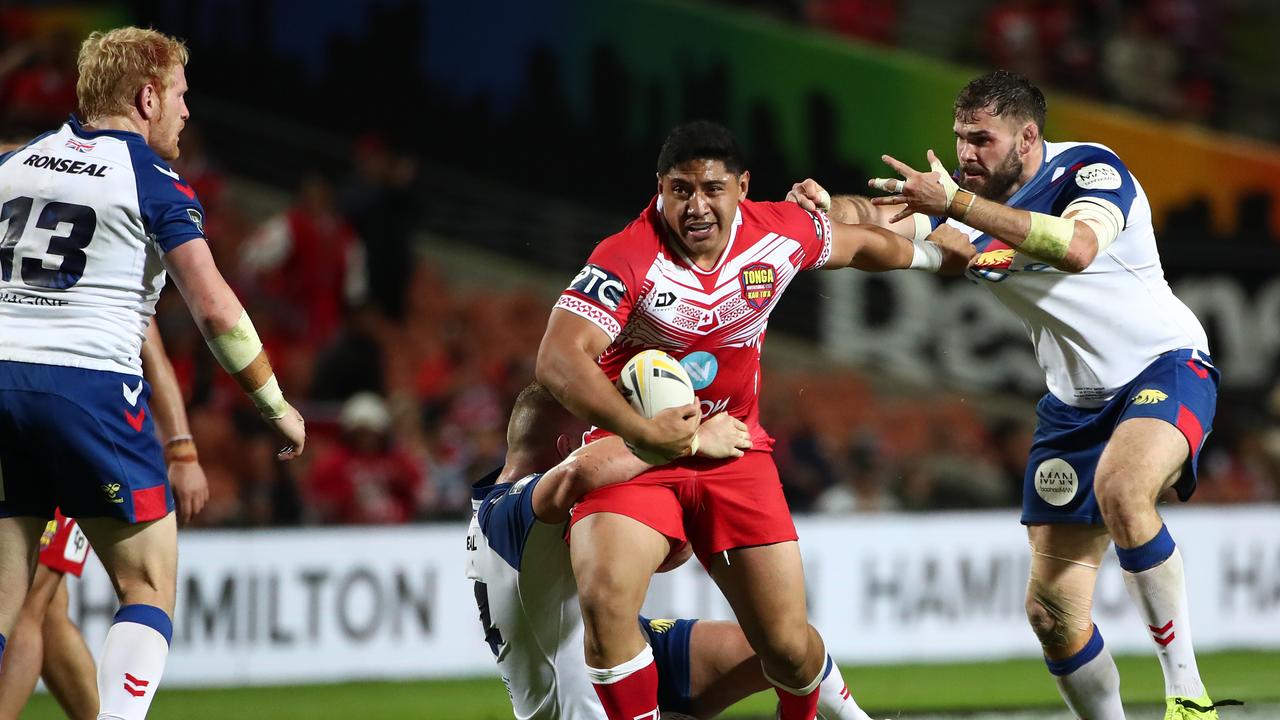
(723, 436)
(809, 195)
(930, 193)
(292, 431)
(670, 433)
(957, 251)
(190, 488)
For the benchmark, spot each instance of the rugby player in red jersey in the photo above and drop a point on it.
(697, 275)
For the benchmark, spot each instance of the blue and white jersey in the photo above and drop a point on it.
(528, 604)
(1096, 330)
(87, 217)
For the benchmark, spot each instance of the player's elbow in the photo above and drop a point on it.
(1079, 256)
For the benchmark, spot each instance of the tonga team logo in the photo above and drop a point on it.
(759, 282)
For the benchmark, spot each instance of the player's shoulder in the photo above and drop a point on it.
(785, 218)
(1080, 154)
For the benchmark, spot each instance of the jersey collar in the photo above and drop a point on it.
(74, 123)
(1033, 185)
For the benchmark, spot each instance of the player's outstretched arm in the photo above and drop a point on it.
(1069, 243)
(867, 237)
(190, 488)
(567, 367)
(233, 340)
(608, 462)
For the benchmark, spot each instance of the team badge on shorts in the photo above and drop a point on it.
(758, 284)
(1057, 482)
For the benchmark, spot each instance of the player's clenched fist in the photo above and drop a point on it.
(809, 195)
(957, 251)
(670, 432)
(291, 429)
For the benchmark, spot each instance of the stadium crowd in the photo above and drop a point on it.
(406, 377)
(1194, 60)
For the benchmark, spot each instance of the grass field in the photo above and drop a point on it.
(1020, 687)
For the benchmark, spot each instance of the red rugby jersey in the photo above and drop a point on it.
(643, 292)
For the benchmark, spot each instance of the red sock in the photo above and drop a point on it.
(635, 696)
(795, 707)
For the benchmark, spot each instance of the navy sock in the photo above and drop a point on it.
(1149, 554)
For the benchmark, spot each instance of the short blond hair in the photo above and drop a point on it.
(114, 65)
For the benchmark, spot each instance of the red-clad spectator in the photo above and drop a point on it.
(365, 478)
(870, 20)
(309, 263)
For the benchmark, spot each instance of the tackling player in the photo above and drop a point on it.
(95, 216)
(45, 643)
(1064, 238)
(696, 275)
(528, 600)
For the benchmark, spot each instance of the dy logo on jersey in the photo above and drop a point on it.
(758, 282)
(600, 285)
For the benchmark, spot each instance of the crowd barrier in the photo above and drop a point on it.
(295, 606)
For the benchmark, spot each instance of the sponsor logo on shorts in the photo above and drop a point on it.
(600, 285)
(702, 368)
(113, 492)
(1057, 482)
(758, 284)
(661, 625)
(1149, 396)
(1098, 176)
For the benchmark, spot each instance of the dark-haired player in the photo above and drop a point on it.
(696, 275)
(1064, 239)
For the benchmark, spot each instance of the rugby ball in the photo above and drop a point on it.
(653, 381)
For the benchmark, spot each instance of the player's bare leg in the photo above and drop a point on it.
(19, 540)
(68, 670)
(614, 557)
(142, 560)
(723, 669)
(765, 587)
(1064, 571)
(1144, 457)
(24, 653)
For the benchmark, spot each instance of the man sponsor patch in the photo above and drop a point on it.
(758, 284)
(196, 218)
(1098, 176)
(600, 285)
(1057, 482)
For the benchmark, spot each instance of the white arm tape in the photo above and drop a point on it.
(925, 256)
(923, 227)
(269, 399)
(237, 347)
(1102, 215)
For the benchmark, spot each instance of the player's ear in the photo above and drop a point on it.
(743, 181)
(564, 446)
(1029, 137)
(659, 178)
(147, 101)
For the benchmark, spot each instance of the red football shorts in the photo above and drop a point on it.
(63, 547)
(715, 505)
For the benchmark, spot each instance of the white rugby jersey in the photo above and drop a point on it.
(86, 215)
(1096, 330)
(528, 603)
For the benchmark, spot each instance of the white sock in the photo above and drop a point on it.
(132, 662)
(1160, 593)
(834, 700)
(1089, 682)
